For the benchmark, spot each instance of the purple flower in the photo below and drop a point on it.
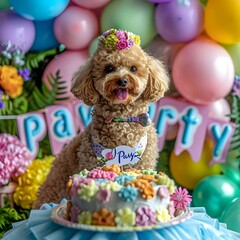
(75, 210)
(2, 105)
(181, 198)
(103, 195)
(25, 73)
(130, 42)
(120, 34)
(236, 87)
(122, 44)
(145, 216)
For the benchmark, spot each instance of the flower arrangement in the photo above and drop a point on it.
(119, 39)
(14, 158)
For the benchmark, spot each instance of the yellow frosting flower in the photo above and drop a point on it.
(85, 218)
(11, 81)
(125, 217)
(114, 186)
(31, 180)
(86, 192)
(162, 215)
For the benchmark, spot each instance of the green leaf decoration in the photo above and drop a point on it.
(41, 98)
(20, 105)
(34, 59)
(9, 215)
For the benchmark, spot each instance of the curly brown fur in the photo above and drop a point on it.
(96, 87)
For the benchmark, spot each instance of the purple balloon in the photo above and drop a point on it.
(179, 21)
(16, 29)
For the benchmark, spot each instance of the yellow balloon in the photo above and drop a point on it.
(188, 173)
(222, 20)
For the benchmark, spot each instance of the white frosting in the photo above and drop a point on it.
(115, 202)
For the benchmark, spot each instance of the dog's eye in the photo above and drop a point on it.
(109, 69)
(133, 69)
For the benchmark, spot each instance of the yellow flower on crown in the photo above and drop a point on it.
(10, 81)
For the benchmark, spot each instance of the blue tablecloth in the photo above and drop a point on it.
(39, 226)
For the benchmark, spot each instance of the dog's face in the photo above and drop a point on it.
(120, 77)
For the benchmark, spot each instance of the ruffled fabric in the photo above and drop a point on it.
(39, 226)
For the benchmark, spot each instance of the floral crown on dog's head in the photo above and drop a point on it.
(118, 39)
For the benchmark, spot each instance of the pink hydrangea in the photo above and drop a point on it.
(145, 216)
(122, 44)
(120, 34)
(14, 158)
(98, 173)
(181, 198)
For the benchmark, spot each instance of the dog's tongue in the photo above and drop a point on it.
(122, 93)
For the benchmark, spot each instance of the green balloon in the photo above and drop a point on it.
(93, 46)
(136, 16)
(234, 52)
(215, 193)
(231, 215)
(4, 4)
(231, 173)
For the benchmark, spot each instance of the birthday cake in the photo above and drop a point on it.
(107, 196)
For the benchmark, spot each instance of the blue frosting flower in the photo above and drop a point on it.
(122, 179)
(128, 193)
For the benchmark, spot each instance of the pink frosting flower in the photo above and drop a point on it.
(181, 198)
(145, 216)
(120, 34)
(109, 155)
(122, 44)
(98, 173)
(163, 192)
(75, 210)
(103, 195)
(171, 209)
(14, 158)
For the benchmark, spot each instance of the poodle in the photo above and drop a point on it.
(119, 80)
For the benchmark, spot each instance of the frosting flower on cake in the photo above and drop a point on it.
(145, 216)
(128, 193)
(181, 198)
(125, 217)
(99, 173)
(124, 178)
(103, 195)
(114, 186)
(85, 218)
(163, 192)
(103, 217)
(162, 215)
(86, 192)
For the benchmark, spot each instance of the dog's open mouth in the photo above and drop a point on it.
(121, 93)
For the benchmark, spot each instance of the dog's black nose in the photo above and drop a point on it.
(122, 82)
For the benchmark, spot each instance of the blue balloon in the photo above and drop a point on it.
(39, 10)
(44, 36)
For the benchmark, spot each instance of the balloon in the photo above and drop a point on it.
(188, 173)
(45, 38)
(178, 21)
(4, 4)
(231, 215)
(19, 31)
(203, 71)
(214, 193)
(91, 4)
(219, 110)
(231, 173)
(164, 51)
(222, 20)
(76, 27)
(234, 52)
(93, 46)
(39, 10)
(136, 16)
(67, 62)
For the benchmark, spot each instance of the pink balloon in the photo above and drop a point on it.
(219, 110)
(203, 71)
(67, 62)
(16, 29)
(76, 27)
(91, 3)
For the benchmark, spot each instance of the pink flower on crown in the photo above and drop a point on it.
(122, 44)
(109, 155)
(181, 198)
(120, 34)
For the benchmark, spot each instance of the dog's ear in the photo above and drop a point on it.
(82, 85)
(158, 80)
